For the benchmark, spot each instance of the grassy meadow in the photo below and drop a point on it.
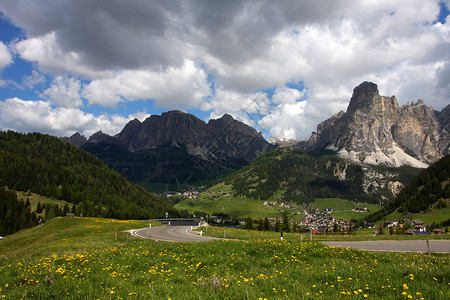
(80, 258)
(234, 206)
(433, 215)
(342, 209)
(243, 207)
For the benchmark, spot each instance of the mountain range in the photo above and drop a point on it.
(177, 147)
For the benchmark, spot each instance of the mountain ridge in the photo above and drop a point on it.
(177, 146)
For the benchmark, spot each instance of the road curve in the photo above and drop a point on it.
(435, 246)
(171, 234)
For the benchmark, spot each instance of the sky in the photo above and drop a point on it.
(281, 67)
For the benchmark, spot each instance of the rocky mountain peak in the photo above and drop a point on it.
(361, 95)
(376, 130)
(76, 139)
(224, 138)
(100, 137)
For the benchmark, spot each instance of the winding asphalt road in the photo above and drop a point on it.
(182, 234)
(171, 234)
(435, 246)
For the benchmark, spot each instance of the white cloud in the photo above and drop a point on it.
(183, 87)
(286, 95)
(64, 92)
(39, 116)
(284, 120)
(243, 107)
(34, 79)
(5, 56)
(5, 59)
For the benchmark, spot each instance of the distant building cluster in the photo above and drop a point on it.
(320, 220)
(275, 203)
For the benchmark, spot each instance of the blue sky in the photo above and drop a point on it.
(282, 68)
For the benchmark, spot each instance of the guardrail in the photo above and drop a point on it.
(178, 221)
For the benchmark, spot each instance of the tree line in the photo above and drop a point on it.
(46, 165)
(15, 215)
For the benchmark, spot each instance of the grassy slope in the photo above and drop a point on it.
(434, 215)
(78, 258)
(234, 206)
(65, 234)
(243, 207)
(36, 198)
(342, 209)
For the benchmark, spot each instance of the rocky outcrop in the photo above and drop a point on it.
(376, 130)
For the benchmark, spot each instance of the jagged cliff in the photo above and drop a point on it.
(223, 138)
(375, 130)
(178, 147)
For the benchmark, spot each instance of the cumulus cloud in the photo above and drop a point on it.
(283, 121)
(246, 108)
(64, 92)
(182, 87)
(32, 80)
(219, 56)
(39, 116)
(5, 59)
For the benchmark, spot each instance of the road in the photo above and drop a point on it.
(436, 246)
(171, 234)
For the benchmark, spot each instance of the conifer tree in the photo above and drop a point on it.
(267, 226)
(277, 227)
(286, 227)
(39, 208)
(261, 225)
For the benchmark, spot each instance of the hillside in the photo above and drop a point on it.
(47, 166)
(429, 190)
(302, 176)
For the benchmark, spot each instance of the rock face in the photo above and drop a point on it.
(178, 146)
(376, 130)
(222, 138)
(77, 139)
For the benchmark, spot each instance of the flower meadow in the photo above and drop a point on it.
(258, 269)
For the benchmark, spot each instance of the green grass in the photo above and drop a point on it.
(82, 260)
(434, 215)
(66, 235)
(342, 209)
(240, 207)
